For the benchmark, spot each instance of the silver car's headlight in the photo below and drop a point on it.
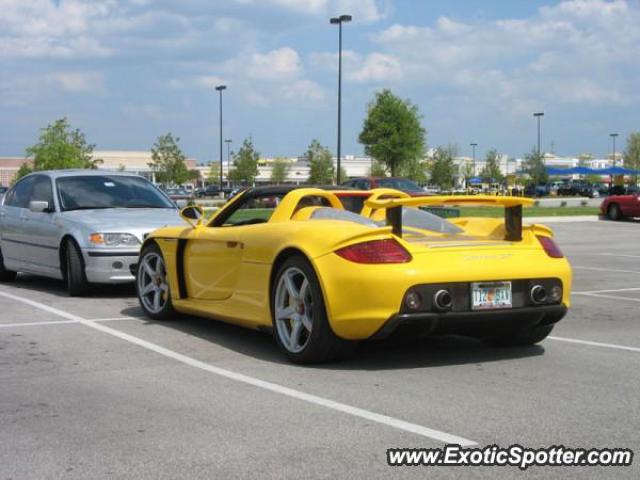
(114, 239)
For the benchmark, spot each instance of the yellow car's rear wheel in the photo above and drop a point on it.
(300, 325)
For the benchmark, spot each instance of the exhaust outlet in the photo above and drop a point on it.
(443, 300)
(538, 294)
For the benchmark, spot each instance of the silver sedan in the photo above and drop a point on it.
(82, 226)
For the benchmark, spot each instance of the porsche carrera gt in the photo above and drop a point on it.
(295, 262)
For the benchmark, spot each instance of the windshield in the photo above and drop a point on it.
(85, 192)
(399, 184)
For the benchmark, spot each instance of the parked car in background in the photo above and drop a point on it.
(623, 190)
(577, 189)
(539, 190)
(208, 191)
(402, 184)
(82, 226)
(180, 196)
(617, 207)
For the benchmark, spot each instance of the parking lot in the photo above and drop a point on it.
(89, 389)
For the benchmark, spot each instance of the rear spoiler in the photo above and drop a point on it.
(512, 209)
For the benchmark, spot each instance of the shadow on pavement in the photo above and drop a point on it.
(387, 354)
(58, 288)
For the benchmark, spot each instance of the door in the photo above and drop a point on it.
(13, 236)
(42, 230)
(211, 260)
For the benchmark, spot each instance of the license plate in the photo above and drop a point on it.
(491, 295)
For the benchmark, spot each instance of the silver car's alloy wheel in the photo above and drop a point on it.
(293, 309)
(152, 283)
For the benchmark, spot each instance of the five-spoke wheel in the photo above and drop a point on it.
(152, 286)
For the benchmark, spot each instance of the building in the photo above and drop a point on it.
(8, 168)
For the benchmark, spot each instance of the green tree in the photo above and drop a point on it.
(491, 172)
(392, 132)
(245, 164)
(442, 168)
(466, 171)
(61, 146)
(377, 169)
(168, 161)
(343, 175)
(213, 175)
(321, 171)
(415, 170)
(534, 166)
(632, 153)
(25, 169)
(279, 170)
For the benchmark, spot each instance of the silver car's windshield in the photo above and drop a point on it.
(84, 192)
(411, 218)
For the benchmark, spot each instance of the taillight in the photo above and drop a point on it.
(375, 251)
(550, 247)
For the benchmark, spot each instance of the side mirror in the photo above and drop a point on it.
(193, 215)
(39, 206)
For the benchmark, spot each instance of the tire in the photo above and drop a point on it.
(526, 336)
(297, 305)
(613, 212)
(153, 290)
(6, 275)
(74, 273)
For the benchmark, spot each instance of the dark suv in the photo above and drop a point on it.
(576, 189)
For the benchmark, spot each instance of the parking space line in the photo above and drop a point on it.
(255, 382)
(598, 269)
(32, 324)
(607, 291)
(619, 255)
(602, 295)
(594, 344)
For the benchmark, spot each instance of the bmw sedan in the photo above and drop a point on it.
(82, 226)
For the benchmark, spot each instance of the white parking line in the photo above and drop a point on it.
(255, 382)
(62, 322)
(595, 344)
(602, 295)
(608, 291)
(598, 269)
(619, 255)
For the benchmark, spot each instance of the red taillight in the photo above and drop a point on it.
(550, 247)
(375, 251)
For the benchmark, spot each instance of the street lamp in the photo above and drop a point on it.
(228, 142)
(538, 115)
(339, 21)
(473, 147)
(613, 137)
(220, 88)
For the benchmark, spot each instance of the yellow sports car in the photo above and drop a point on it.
(295, 262)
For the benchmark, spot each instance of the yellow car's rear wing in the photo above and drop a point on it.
(512, 209)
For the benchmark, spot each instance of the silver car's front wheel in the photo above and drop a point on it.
(293, 310)
(152, 284)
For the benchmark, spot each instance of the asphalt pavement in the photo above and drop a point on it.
(91, 389)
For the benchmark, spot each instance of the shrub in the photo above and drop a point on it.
(563, 204)
(584, 203)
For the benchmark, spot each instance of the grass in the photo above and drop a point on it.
(529, 211)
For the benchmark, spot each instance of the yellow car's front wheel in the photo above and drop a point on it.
(300, 324)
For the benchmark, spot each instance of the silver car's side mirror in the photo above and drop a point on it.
(39, 206)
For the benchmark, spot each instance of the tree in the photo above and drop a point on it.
(442, 168)
(280, 170)
(245, 164)
(466, 171)
(534, 166)
(392, 132)
(415, 170)
(168, 161)
(491, 172)
(377, 169)
(632, 152)
(25, 169)
(321, 171)
(60, 146)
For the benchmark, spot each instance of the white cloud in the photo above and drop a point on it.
(377, 67)
(303, 92)
(79, 81)
(282, 63)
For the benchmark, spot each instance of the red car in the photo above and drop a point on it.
(402, 184)
(617, 207)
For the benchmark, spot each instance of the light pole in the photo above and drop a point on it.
(220, 88)
(613, 137)
(473, 147)
(538, 115)
(228, 142)
(339, 21)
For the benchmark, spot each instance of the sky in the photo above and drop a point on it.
(127, 71)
